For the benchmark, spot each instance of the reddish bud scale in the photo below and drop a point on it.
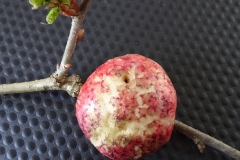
(70, 9)
(127, 106)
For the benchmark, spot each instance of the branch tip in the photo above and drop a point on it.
(202, 139)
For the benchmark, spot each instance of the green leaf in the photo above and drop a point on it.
(38, 3)
(65, 1)
(52, 15)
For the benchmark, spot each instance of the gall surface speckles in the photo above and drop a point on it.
(127, 106)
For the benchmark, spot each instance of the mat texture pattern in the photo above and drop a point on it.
(197, 42)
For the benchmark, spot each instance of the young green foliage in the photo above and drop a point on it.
(65, 7)
(38, 3)
(52, 15)
(65, 1)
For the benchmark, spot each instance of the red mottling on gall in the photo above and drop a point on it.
(127, 107)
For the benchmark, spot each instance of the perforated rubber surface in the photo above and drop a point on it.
(196, 41)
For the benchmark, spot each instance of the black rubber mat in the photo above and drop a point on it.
(196, 41)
